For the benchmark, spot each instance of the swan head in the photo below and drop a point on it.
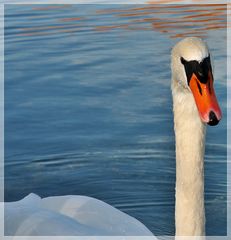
(192, 74)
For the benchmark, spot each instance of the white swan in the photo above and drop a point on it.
(194, 104)
(68, 216)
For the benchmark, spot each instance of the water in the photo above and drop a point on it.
(88, 106)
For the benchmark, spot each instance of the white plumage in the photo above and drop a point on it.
(68, 216)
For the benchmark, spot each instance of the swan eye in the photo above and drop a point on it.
(183, 61)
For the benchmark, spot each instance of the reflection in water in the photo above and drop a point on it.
(177, 21)
(70, 19)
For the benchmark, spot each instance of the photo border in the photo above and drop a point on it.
(4, 2)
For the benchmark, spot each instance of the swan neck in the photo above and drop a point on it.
(190, 138)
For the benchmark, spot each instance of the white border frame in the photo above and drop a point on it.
(2, 3)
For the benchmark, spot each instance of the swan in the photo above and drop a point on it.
(194, 106)
(68, 215)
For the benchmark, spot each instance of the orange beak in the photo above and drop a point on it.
(205, 99)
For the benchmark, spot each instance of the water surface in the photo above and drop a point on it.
(88, 106)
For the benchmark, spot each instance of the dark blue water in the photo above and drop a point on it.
(88, 108)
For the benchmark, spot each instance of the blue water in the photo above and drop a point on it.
(88, 109)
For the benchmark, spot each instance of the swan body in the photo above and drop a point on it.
(194, 105)
(68, 216)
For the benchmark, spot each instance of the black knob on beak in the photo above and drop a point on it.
(212, 119)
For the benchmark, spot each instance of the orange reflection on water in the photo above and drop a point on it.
(70, 19)
(173, 20)
(185, 20)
